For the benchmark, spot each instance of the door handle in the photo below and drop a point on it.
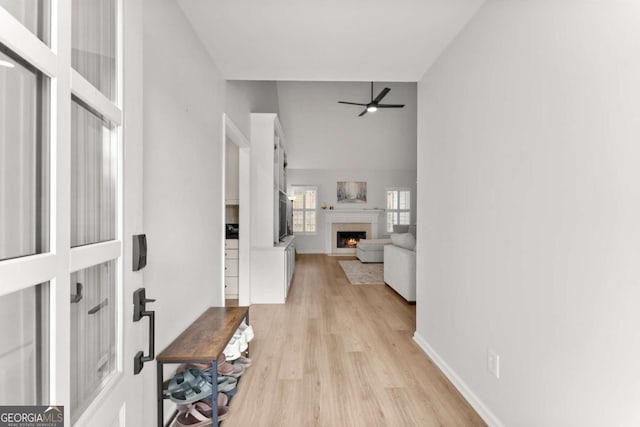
(139, 311)
(78, 296)
(98, 307)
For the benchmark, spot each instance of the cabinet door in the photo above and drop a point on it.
(231, 286)
(231, 253)
(231, 243)
(231, 267)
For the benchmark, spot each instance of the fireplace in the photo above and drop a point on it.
(349, 239)
(349, 220)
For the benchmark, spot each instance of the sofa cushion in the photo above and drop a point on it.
(373, 244)
(399, 228)
(404, 240)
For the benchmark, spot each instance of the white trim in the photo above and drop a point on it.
(22, 273)
(480, 407)
(88, 93)
(234, 133)
(27, 45)
(82, 257)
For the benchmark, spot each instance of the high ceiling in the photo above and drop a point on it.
(333, 40)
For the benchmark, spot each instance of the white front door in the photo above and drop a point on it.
(70, 200)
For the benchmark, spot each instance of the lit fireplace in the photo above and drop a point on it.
(349, 239)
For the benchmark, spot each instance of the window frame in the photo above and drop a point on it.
(304, 188)
(397, 211)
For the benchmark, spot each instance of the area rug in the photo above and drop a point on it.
(363, 274)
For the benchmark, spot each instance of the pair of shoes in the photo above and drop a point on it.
(240, 341)
(247, 330)
(228, 369)
(200, 415)
(190, 386)
(245, 362)
(232, 350)
(227, 385)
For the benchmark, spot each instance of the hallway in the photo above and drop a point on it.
(338, 354)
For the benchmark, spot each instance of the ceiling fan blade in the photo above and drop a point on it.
(381, 95)
(363, 113)
(351, 103)
(390, 105)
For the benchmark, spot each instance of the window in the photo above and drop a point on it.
(33, 14)
(304, 208)
(94, 43)
(94, 177)
(24, 158)
(24, 348)
(93, 333)
(398, 207)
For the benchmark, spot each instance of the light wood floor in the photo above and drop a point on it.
(338, 354)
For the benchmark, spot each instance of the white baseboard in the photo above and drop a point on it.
(310, 251)
(485, 413)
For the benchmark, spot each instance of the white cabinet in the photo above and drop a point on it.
(267, 160)
(272, 261)
(271, 272)
(231, 268)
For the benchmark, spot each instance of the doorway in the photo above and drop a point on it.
(236, 219)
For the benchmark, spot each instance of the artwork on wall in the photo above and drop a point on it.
(352, 192)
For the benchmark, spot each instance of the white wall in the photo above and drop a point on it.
(244, 97)
(322, 134)
(528, 170)
(326, 180)
(183, 164)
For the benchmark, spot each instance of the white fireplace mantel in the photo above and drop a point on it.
(371, 216)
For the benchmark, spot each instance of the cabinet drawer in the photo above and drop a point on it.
(231, 243)
(231, 286)
(231, 267)
(231, 253)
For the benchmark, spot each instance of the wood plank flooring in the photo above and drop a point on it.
(338, 354)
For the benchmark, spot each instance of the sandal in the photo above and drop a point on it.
(192, 376)
(227, 385)
(189, 386)
(197, 415)
(243, 361)
(225, 368)
(199, 366)
(238, 370)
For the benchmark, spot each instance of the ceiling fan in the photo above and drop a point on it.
(374, 104)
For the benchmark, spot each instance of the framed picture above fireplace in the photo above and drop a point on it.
(352, 192)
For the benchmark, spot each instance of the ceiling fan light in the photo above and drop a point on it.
(372, 109)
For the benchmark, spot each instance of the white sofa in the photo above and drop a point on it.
(371, 250)
(400, 269)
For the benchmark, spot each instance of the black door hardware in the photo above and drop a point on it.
(140, 301)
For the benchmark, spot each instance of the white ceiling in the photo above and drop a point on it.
(336, 40)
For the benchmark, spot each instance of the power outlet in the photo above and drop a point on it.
(493, 363)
